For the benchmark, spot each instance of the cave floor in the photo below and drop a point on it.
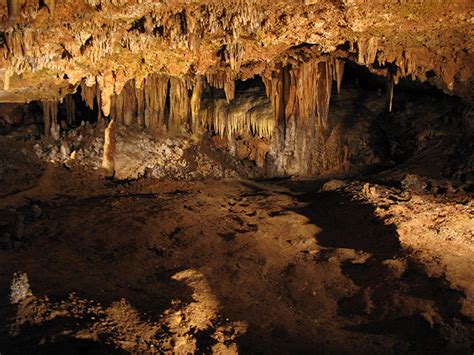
(234, 265)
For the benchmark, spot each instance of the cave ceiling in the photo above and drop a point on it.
(49, 48)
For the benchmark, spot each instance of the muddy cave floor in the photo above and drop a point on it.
(236, 265)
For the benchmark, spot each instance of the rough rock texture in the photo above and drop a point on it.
(48, 50)
(139, 154)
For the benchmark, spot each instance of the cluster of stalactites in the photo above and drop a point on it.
(158, 102)
(168, 104)
(245, 115)
(50, 116)
(70, 110)
(401, 64)
(91, 94)
(303, 92)
(233, 116)
(52, 127)
(223, 80)
(163, 103)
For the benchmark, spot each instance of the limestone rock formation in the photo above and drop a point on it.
(109, 149)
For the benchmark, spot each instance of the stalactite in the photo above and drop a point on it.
(390, 86)
(108, 163)
(229, 89)
(260, 125)
(233, 55)
(303, 91)
(70, 110)
(12, 8)
(307, 91)
(267, 82)
(112, 113)
(106, 83)
(242, 117)
(98, 99)
(129, 103)
(338, 73)
(289, 92)
(367, 50)
(278, 104)
(155, 94)
(46, 118)
(88, 94)
(6, 79)
(119, 100)
(139, 95)
(50, 117)
(323, 93)
(51, 5)
(196, 100)
(300, 94)
(223, 80)
(180, 107)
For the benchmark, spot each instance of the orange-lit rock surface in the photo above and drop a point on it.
(46, 51)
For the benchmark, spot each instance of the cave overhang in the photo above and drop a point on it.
(47, 51)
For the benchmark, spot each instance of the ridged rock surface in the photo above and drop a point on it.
(48, 48)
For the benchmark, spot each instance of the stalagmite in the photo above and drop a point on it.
(6, 79)
(390, 86)
(108, 163)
